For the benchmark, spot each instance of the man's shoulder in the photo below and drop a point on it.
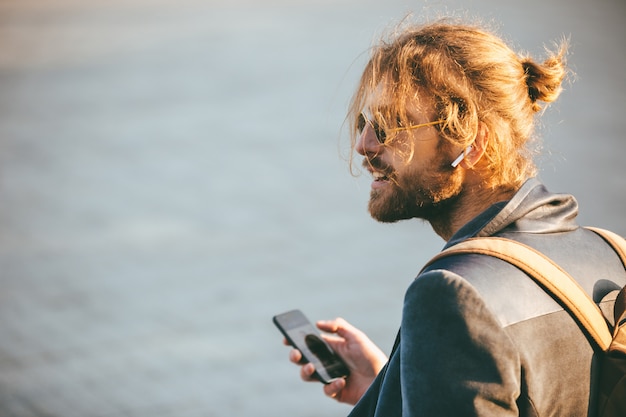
(504, 289)
(512, 294)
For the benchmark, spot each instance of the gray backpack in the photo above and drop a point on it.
(611, 342)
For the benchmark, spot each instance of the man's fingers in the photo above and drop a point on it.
(339, 326)
(329, 326)
(333, 390)
(307, 371)
(296, 357)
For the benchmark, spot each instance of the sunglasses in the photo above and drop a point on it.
(381, 133)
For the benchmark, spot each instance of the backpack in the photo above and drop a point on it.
(610, 391)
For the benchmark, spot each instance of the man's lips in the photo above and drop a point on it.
(380, 173)
(379, 176)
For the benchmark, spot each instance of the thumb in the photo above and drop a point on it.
(340, 327)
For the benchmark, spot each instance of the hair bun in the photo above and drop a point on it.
(532, 72)
(543, 81)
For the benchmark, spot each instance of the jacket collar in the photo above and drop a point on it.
(533, 209)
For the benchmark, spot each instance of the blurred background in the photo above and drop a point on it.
(173, 174)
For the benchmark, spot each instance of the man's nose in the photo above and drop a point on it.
(368, 143)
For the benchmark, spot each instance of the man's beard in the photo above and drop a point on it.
(421, 193)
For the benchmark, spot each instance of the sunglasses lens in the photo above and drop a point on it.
(360, 123)
(378, 131)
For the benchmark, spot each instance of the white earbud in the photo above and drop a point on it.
(458, 160)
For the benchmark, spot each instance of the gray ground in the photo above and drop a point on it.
(170, 178)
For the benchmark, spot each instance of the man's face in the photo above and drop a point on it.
(412, 174)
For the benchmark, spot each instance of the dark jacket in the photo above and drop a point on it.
(479, 338)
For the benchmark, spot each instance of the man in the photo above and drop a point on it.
(443, 118)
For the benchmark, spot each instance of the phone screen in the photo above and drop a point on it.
(307, 339)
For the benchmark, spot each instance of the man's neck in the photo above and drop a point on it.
(473, 200)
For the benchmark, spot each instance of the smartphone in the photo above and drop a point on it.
(301, 334)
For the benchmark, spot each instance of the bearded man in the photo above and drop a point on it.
(444, 117)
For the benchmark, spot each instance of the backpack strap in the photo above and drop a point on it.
(616, 241)
(556, 281)
(619, 333)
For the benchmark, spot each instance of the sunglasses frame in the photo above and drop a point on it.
(381, 134)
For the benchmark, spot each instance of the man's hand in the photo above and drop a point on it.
(363, 357)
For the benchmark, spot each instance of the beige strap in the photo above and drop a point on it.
(616, 241)
(547, 273)
(619, 335)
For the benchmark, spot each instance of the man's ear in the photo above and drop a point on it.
(478, 147)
